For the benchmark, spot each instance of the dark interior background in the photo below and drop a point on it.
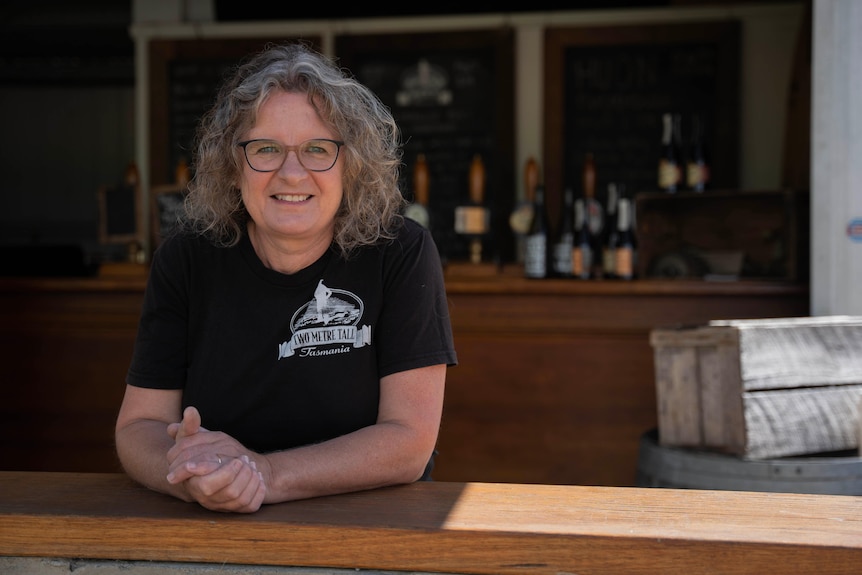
(67, 102)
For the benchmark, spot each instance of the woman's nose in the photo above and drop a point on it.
(291, 163)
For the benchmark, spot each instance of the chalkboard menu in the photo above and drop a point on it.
(452, 96)
(185, 76)
(607, 88)
(118, 213)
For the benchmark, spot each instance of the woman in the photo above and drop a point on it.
(295, 334)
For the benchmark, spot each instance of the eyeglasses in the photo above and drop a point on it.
(268, 155)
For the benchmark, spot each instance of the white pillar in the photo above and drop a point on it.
(836, 158)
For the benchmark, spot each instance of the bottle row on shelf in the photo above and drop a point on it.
(595, 237)
(683, 164)
(592, 240)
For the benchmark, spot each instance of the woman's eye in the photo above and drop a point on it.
(270, 149)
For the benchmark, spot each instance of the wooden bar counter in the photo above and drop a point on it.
(555, 383)
(475, 528)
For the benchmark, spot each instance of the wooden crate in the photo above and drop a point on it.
(760, 388)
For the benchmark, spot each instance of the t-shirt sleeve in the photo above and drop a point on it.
(160, 355)
(415, 329)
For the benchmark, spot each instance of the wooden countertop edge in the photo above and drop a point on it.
(510, 284)
(476, 528)
(106, 284)
(463, 285)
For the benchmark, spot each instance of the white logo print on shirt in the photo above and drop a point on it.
(326, 325)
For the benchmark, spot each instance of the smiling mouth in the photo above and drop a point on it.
(291, 197)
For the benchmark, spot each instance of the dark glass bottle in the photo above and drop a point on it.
(562, 256)
(626, 249)
(669, 162)
(582, 252)
(536, 253)
(474, 219)
(594, 216)
(609, 232)
(697, 166)
(522, 216)
(418, 209)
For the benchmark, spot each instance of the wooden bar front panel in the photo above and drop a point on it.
(65, 346)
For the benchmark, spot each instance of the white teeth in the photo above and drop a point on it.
(291, 198)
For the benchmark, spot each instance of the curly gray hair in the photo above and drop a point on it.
(371, 206)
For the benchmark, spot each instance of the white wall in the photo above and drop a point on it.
(836, 158)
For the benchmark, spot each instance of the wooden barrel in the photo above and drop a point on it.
(676, 467)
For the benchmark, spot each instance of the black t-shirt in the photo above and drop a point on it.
(279, 361)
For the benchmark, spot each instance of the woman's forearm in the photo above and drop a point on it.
(142, 447)
(375, 456)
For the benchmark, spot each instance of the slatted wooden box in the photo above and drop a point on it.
(760, 388)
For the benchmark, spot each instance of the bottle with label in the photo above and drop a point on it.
(626, 250)
(669, 163)
(418, 209)
(565, 237)
(609, 232)
(131, 177)
(582, 252)
(474, 220)
(697, 167)
(182, 173)
(522, 216)
(594, 215)
(536, 264)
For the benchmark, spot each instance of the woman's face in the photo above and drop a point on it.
(292, 202)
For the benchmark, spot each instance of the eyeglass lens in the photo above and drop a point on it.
(269, 155)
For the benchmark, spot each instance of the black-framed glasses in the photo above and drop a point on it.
(317, 155)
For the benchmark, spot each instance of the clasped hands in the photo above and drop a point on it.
(215, 469)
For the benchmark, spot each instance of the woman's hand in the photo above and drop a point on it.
(216, 470)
